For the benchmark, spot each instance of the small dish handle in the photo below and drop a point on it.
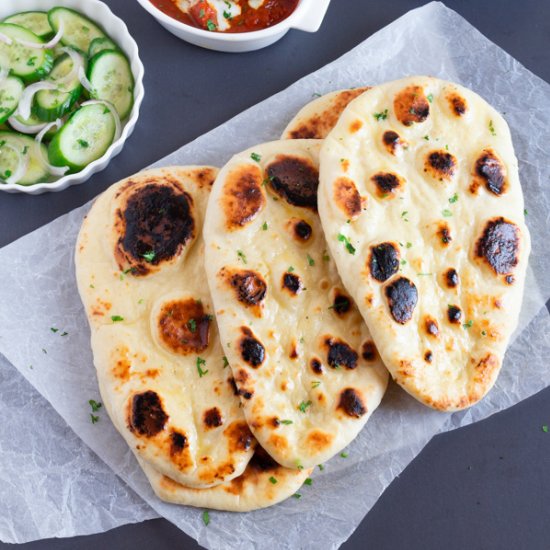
(312, 17)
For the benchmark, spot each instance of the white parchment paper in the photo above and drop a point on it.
(38, 291)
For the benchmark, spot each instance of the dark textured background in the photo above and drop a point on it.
(483, 487)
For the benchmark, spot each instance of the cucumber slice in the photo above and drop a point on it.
(36, 172)
(10, 94)
(29, 63)
(85, 137)
(50, 105)
(35, 21)
(99, 44)
(112, 80)
(78, 31)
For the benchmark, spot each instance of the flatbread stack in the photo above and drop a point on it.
(384, 232)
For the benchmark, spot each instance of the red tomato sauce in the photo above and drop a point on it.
(202, 16)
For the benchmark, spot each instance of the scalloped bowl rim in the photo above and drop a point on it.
(103, 15)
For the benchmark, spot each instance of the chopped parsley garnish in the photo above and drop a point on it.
(272, 480)
(53, 329)
(83, 143)
(299, 464)
(255, 157)
(381, 116)
(310, 260)
(116, 318)
(326, 257)
(31, 61)
(492, 128)
(241, 256)
(7, 174)
(96, 405)
(225, 362)
(545, 429)
(409, 245)
(349, 247)
(321, 467)
(94, 418)
(344, 455)
(210, 25)
(192, 325)
(206, 518)
(286, 422)
(404, 215)
(525, 212)
(149, 256)
(483, 333)
(44, 351)
(64, 334)
(315, 94)
(468, 324)
(290, 268)
(308, 481)
(424, 274)
(304, 406)
(227, 15)
(315, 384)
(201, 363)
(430, 98)
(454, 198)
(446, 213)
(265, 226)
(201, 14)
(297, 495)
(427, 138)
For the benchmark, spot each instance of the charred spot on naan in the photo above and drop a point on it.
(402, 297)
(457, 103)
(178, 442)
(454, 314)
(239, 437)
(428, 356)
(411, 105)
(316, 365)
(245, 394)
(490, 171)
(431, 326)
(212, 418)
(317, 441)
(242, 197)
(321, 123)
(352, 403)
(387, 184)
(383, 261)
(295, 179)
(252, 350)
(340, 353)
(341, 303)
(444, 233)
(153, 225)
(451, 278)
(440, 165)
(291, 283)
(499, 246)
(368, 351)
(300, 230)
(146, 415)
(183, 326)
(249, 287)
(392, 140)
(347, 198)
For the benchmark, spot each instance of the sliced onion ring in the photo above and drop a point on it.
(23, 162)
(3, 75)
(48, 45)
(53, 170)
(6, 39)
(25, 102)
(78, 62)
(84, 80)
(25, 128)
(111, 107)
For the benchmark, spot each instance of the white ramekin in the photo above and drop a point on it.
(116, 28)
(307, 16)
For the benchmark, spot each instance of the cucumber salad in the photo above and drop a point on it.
(65, 87)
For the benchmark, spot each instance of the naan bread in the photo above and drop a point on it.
(160, 365)
(304, 363)
(422, 208)
(316, 119)
(263, 483)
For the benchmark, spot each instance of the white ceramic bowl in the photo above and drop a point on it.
(307, 16)
(115, 27)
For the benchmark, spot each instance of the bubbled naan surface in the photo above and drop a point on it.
(262, 484)
(316, 119)
(440, 244)
(303, 361)
(152, 327)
